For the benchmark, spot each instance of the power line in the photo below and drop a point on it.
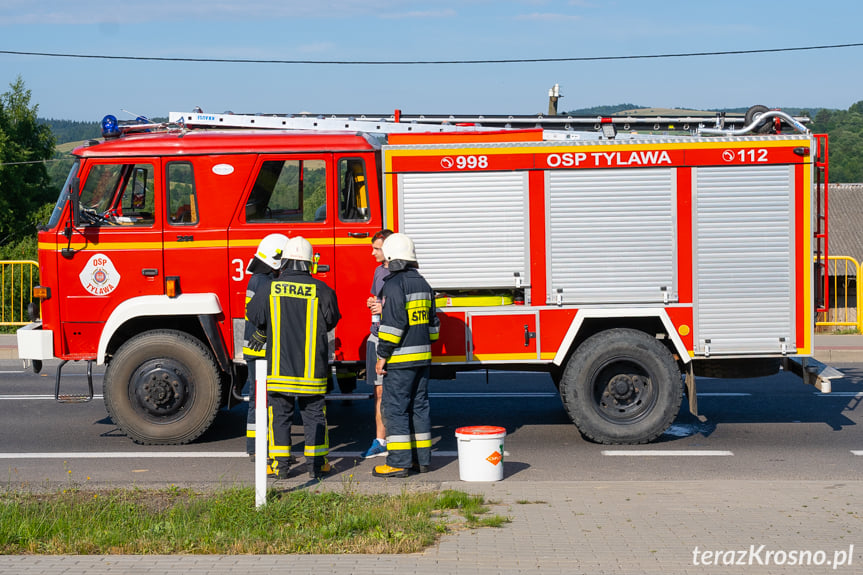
(430, 62)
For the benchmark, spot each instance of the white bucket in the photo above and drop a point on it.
(480, 453)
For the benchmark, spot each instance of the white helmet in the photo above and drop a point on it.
(298, 248)
(399, 247)
(271, 251)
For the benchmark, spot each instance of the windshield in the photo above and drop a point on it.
(64, 196)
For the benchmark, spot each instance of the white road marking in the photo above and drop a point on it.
(722, 394)
(37, 397)
(667, 453)
(858, 394)
(857, 452)
(495, 394)
(124, 455)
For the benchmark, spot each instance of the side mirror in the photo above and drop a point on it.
(75, 201)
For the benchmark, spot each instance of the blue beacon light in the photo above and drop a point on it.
(110, 127)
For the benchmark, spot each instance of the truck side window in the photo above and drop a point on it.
(182, 200)
(118, 194)
(353, 193)
(98, 191)
(289, 191)
(136, 203)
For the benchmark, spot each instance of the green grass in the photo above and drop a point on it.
(168, 521)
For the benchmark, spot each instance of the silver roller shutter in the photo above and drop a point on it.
(744, 266)
(611, 235)
(470, 229)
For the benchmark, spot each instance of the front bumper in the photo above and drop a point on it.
(35, 342)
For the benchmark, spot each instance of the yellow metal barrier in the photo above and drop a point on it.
(843, 312)
(17, 278)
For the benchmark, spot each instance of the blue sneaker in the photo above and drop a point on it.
(376, 450)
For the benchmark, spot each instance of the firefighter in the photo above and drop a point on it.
(408, 327)
(294, 317)
(264, 267)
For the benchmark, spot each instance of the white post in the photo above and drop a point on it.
(261, 427)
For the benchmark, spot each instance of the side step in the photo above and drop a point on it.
(73, 398)
(812, 371)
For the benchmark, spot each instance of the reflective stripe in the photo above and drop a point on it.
(398, 446)
(280, 451)
(418, 296)
(392, 331)
(422, 443)
(418, 303)
(253, 353)
(422, 436)
(411, 349)
(316, 450)
(404, 358)
(269, 428)
(311, 332)
(398, 439)
(390, 338)
(411, 353)
(296, 386)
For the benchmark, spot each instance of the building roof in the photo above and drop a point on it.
(845, 221)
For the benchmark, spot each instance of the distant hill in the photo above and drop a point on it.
(71, 131)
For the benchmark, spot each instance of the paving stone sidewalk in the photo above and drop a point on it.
(579, 527)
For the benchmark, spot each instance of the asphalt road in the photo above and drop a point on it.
(765, 428)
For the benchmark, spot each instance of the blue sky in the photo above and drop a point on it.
(376, 30)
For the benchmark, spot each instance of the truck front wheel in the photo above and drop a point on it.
(621, 386)
(162, 388)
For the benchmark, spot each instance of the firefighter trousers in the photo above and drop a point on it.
(281, 412)
(407, 417)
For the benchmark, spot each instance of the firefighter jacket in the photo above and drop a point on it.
(409, 324)
(297, 312)
(258, 281)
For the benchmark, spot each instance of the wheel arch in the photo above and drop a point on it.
(145, 313)
(590, 321)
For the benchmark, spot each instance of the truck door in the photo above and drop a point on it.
(288, 194)
(358, 218)
(196, 216)
(116, 252)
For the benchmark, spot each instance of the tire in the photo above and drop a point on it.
(752, 114)
(162, 388)
(621, 386)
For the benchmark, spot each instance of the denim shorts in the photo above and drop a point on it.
(371, 359)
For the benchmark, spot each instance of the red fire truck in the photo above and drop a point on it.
(623, 256)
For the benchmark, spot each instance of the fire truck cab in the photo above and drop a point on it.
(147, 262)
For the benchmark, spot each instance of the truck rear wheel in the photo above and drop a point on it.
(162, 388)
(621, 386)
